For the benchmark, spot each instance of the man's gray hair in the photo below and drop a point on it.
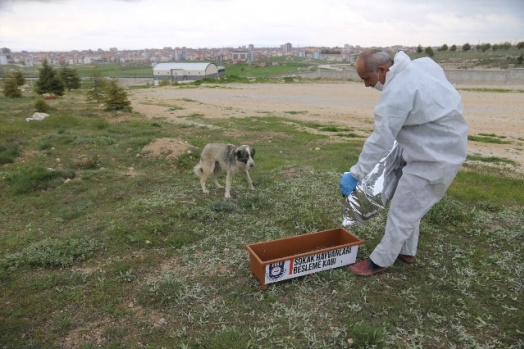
(373, 58)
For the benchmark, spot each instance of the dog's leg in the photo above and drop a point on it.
(249, 182)
(229, 177)
(216, 173)
(203, 184)
(207, 170)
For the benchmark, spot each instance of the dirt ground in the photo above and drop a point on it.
(341, 103)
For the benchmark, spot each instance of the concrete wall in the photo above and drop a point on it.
(514, 76)
(496, 77)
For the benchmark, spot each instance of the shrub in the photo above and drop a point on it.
(41, 106)
(49, 81)
(70, 77)
(164, 82)
(19, 77)
(116, 97)
(11, 88)
(97, 91)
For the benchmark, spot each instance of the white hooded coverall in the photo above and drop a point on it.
(423, 112)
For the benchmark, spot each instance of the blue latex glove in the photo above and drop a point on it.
(348, 183)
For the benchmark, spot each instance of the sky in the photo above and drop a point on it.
(65, 25)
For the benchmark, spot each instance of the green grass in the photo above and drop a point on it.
(8, 153)
(93, 254)
(29, 179)
(282, 66)
(490, 159)
(491, 90)
(482, 186)
(295, 112)
(50, 253)
(488, 139)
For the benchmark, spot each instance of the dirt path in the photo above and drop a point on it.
(346, 104)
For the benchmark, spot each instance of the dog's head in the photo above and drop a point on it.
(245, 154)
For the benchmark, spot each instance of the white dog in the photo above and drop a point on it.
(216, 157)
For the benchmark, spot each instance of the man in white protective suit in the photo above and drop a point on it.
(423, 112)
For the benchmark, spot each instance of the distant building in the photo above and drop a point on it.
(287, 47)
(241, 56)
(185, 71)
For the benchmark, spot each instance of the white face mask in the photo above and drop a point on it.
(378, 85)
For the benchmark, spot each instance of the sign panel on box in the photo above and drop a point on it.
(309, 264)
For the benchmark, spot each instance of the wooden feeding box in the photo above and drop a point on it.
(291, 257)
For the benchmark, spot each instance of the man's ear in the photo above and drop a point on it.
(383, 68)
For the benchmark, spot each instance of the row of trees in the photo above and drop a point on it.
(50, 81)
(480, 47)
(467, 47)
(56, 81)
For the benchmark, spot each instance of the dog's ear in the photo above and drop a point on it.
(252, 152)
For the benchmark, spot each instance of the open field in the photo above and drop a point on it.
(348, 104)
(107, 241)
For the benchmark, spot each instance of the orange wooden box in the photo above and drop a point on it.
(291, 257)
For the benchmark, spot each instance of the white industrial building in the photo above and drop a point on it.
(186, 71)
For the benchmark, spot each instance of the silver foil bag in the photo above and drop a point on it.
(374, 192)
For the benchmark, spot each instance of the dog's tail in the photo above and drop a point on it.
(198, 170)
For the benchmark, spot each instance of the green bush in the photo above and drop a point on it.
(11, 88)
(164, 82)
(49, 81)
(116, 97)
(41, 106)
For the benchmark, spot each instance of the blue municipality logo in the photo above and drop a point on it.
(276, 270)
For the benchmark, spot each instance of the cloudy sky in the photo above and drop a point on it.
(55, 25)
